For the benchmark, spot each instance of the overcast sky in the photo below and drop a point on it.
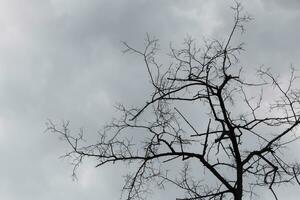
(62, 59)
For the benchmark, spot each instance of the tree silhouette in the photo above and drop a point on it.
(237, 147)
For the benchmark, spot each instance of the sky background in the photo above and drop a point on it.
(63, 60)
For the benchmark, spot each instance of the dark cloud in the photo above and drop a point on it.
(281, 4)
(63, 60)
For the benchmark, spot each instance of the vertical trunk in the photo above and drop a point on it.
(237, 197)
(238, 193)
(239, 167)
(239, 179)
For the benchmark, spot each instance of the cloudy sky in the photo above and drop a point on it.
(62, 59)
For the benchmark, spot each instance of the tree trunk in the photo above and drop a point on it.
(239, 188)
(238, 196)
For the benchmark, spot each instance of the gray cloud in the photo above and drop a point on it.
(281, 4)
(63, 60)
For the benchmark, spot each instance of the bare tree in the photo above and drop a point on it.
(238, 146)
